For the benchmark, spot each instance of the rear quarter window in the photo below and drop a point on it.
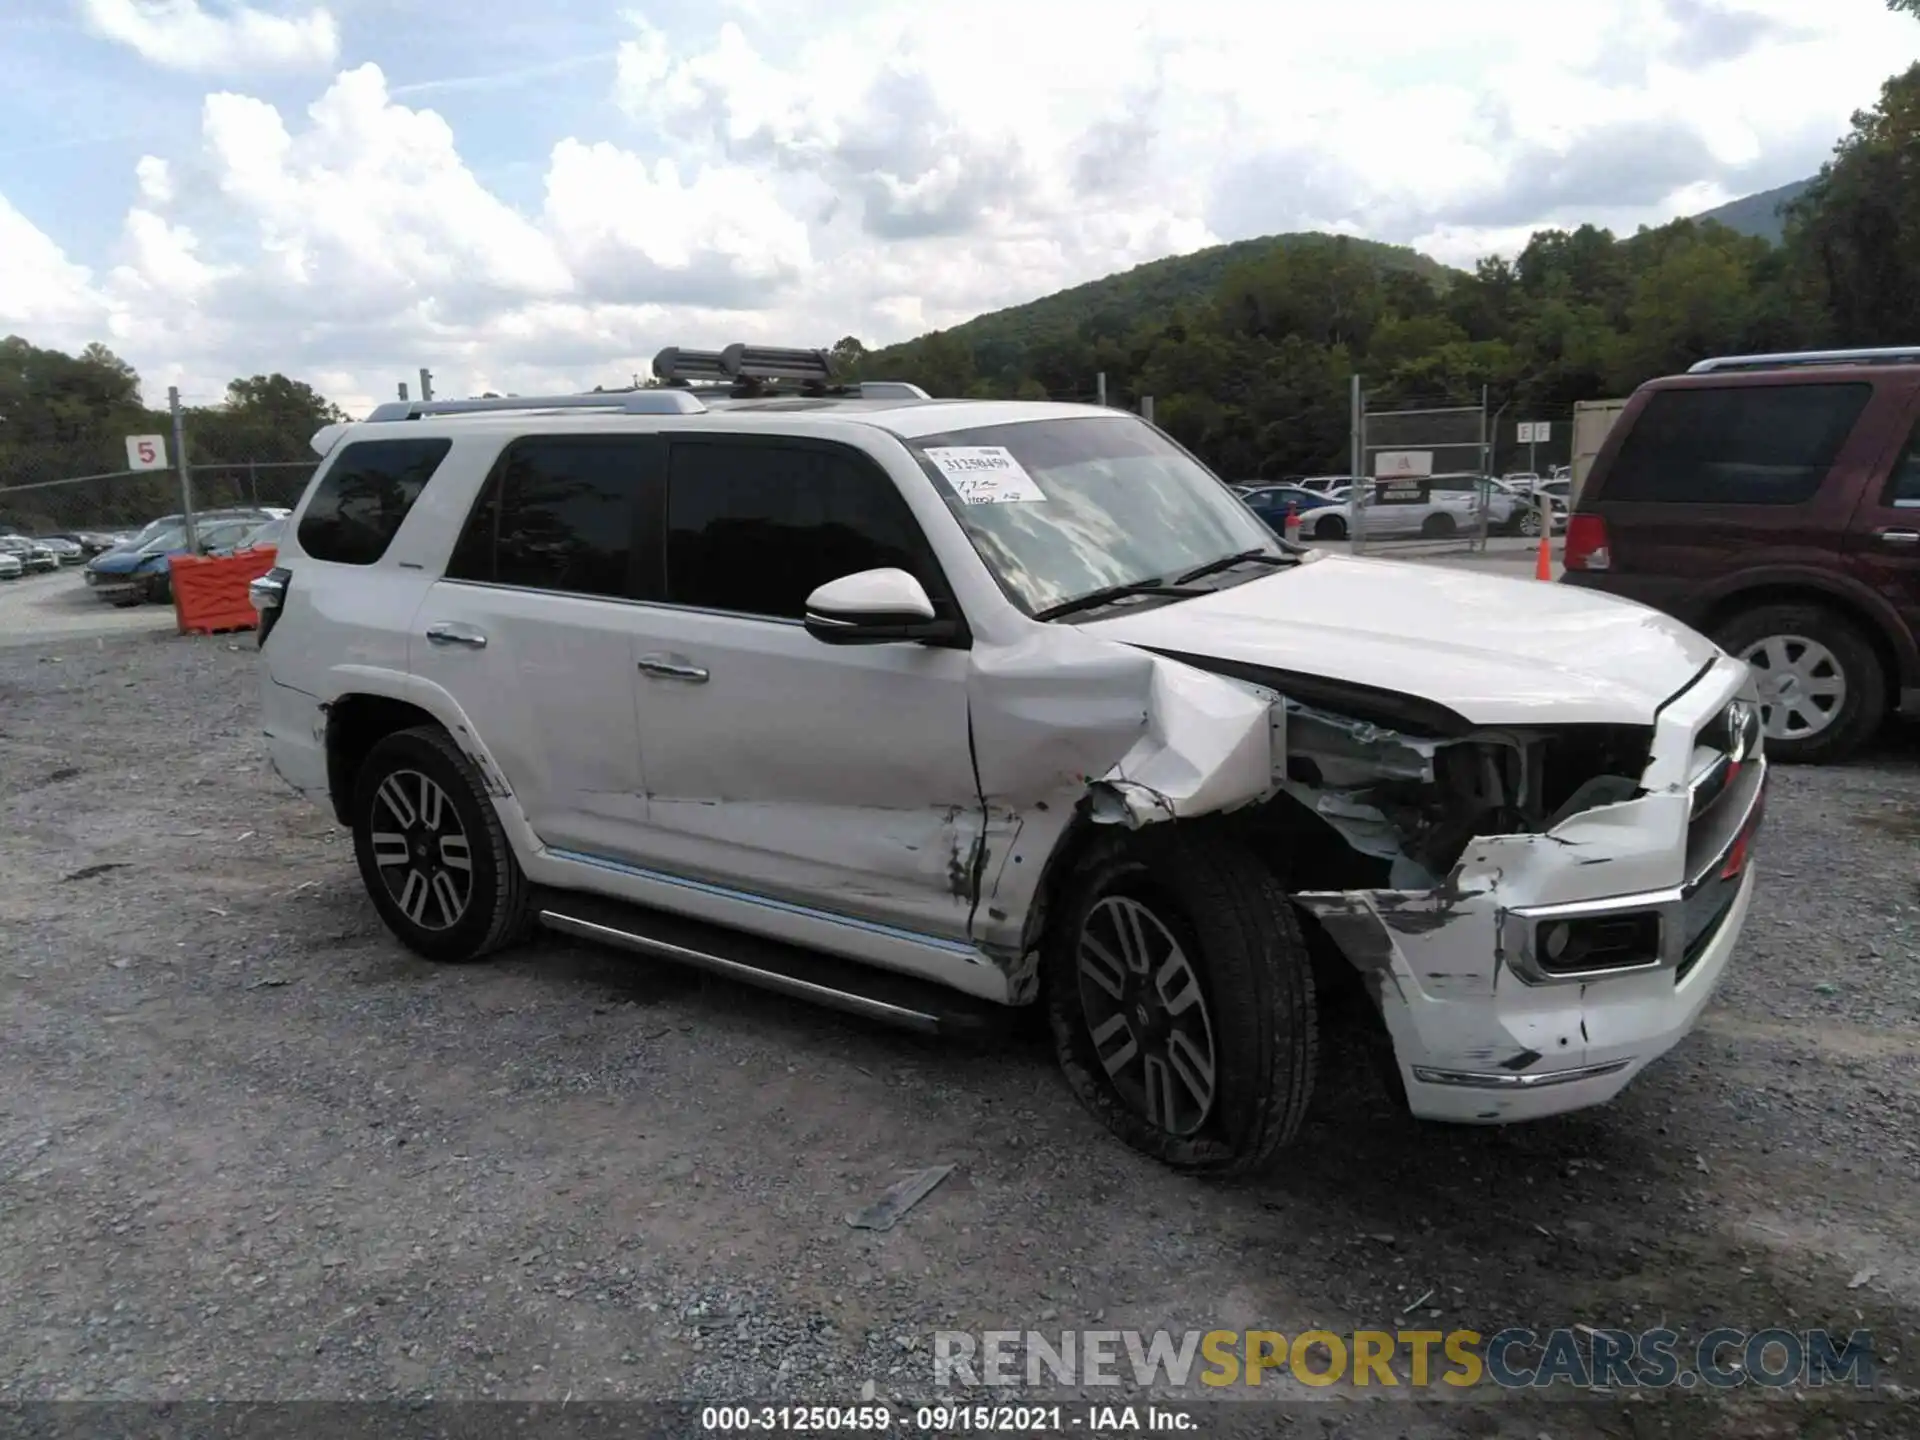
(1735, 445)
(366, 493)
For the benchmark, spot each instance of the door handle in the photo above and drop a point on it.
(672, 667)
(445, 634)
(1898, 537)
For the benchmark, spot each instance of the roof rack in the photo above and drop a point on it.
(629, 402)
(1887, 355)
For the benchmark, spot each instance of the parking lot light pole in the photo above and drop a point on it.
(186, 473)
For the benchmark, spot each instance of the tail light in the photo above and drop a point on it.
(1586, 547)
(268, 593)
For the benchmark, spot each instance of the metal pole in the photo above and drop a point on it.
(1486, 470)
(403, 390)
(426, 383)
(253, 484)
(1357, 419)
(1146, 408)
(186, 474)
(1100, 388)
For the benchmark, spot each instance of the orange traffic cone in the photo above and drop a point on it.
(1543, 560)
(1292, 526)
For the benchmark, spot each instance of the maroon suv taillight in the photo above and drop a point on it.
(1587, 544)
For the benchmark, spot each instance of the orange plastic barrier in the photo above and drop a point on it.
(210, 594)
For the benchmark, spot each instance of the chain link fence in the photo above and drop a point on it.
(128, 499)
(1424, 481)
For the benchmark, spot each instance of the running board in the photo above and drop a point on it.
(882, 995)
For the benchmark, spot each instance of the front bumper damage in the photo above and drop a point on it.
(1487, 1029)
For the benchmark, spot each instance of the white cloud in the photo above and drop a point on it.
(879, 168)
(43, 294)
(182, 35)
(633, 232)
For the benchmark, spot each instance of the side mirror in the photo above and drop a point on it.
(874, 607)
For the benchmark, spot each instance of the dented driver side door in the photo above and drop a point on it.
(838, 778)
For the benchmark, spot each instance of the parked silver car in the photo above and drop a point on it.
(33, 555)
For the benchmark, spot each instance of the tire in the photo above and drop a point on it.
(1527, 523)
(1769, 635)
(1223, 908)
(1330, 527)
(495, 902)
(1437, 527)
(160, 589)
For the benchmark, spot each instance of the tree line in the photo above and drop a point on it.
(65, 416)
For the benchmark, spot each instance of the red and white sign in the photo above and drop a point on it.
(146, 452)
(1402, 464)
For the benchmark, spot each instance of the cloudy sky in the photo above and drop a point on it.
(528, 196)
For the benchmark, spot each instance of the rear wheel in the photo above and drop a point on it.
(1823, 691)
(432, 852)
(1180, 995)
(1437, 527)
(1330, 527)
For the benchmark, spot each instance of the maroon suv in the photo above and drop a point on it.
(1773, 501)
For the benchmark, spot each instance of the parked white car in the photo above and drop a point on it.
(10, 566)
(930, 709)
(1440, 514)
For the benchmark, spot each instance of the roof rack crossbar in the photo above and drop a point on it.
(630, 402)
(1884, 355)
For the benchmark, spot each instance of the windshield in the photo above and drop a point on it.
(1061, 508)
(159, 540)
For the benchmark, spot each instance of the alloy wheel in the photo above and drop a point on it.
(425, 860)
(1146, 1014)
(1802, 687)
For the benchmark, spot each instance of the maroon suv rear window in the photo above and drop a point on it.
(1735, 445)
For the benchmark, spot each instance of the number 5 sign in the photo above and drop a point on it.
(146, 452)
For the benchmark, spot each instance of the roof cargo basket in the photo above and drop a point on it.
(764, 362)
(745, 369)
(1792, 359)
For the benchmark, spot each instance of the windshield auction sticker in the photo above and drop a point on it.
(984, 474)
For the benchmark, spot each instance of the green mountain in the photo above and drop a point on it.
(1759, 215)
(1153, 291)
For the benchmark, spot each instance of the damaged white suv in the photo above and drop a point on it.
(925, 709)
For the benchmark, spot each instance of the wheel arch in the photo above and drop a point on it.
(1898, 660)
(376, 705)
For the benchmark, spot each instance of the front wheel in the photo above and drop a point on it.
(1529, 523)
(1180, 996)
(1823, 692)
(432, 852)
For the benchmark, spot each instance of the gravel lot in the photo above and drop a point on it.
(249, 1148)
(58, 606)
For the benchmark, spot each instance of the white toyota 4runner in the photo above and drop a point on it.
(928, 708)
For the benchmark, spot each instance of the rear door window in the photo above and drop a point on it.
(1736, 445)
(365, 495)
(557, 513)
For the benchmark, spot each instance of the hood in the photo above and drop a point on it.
(124, 561)
(1491, 650)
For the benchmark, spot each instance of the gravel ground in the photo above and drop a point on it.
(58, 605)
(251, 1149)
